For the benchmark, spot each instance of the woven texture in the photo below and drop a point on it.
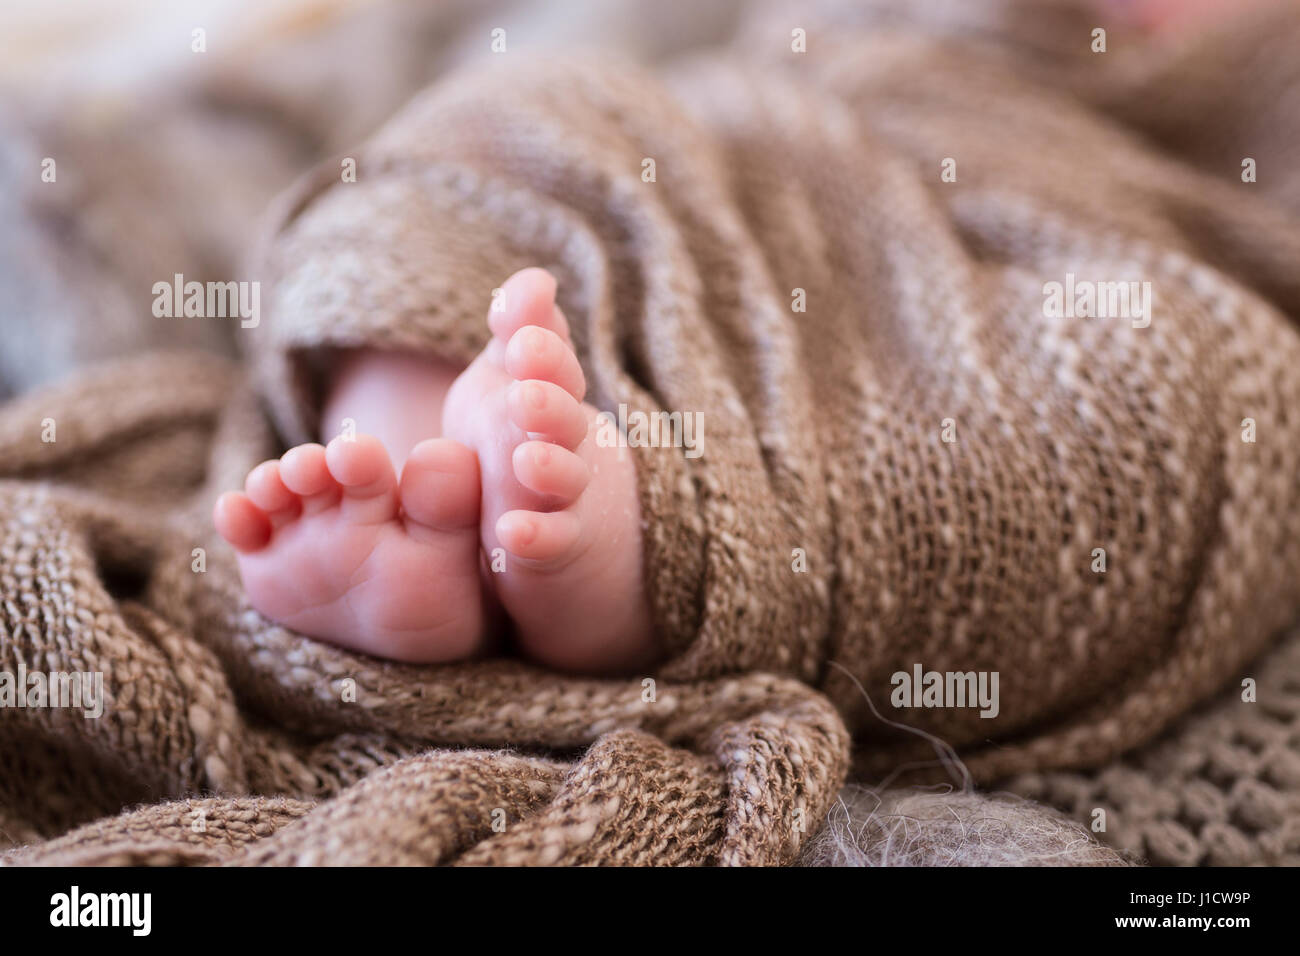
(204, 696)
(1223, 789)
(775, 172)
(825, 428)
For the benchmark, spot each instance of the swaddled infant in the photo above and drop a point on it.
(452, 508)
(467, 497)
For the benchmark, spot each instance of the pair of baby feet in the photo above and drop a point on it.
(514, 512)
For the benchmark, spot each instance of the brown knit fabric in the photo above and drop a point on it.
(824, 428)
(205, 696)
(775, 173)
(1223, 789)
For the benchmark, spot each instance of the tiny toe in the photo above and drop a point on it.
(362, 467)
(304, 472)
(527, 298)
(538, 536)
(266, 489)
(535, 352)
(244, 525)
(550, 470)
(440, 486)
(545, 409)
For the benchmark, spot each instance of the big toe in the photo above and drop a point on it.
(440, 486)
(526, 298)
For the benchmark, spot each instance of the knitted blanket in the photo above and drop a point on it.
(915, 461)
(201, 696)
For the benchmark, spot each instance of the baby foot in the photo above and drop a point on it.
(561, 510)
(331, 545)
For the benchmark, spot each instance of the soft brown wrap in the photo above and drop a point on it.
(779, 177)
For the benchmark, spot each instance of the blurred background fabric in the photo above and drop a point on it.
(167, 158)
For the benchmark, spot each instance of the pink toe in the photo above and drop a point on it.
(527, 298)
(538, 353)
(241, 522)
(362, 467)
(304, 471)
(360, 463)
(550, 470)
(545, 409)
(538, 536)
(267, 490)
